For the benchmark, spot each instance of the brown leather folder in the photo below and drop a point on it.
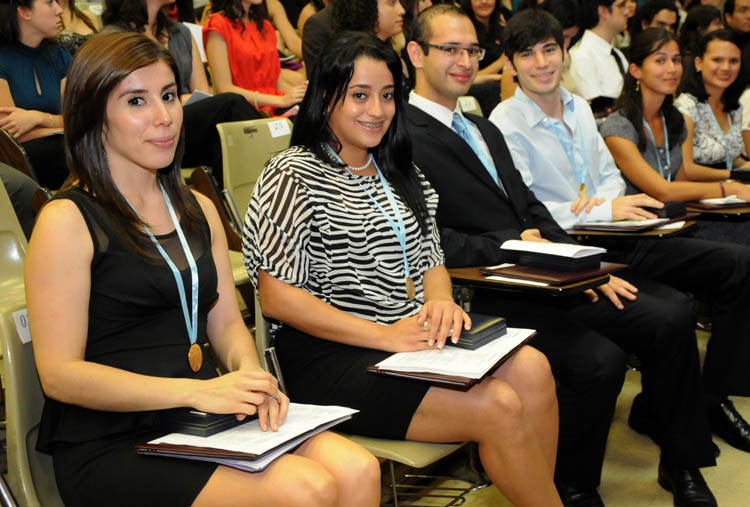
(551, 276)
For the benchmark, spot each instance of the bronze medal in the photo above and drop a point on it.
(195, 357)
(411, 290)
(582, 191)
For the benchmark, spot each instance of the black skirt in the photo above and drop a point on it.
(330, 373)
(108, 471)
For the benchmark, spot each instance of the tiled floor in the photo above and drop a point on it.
(630, 467)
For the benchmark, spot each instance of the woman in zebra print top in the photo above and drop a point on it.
(321, 244)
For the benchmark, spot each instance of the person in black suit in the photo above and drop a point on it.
(483, 202)
(317, 34)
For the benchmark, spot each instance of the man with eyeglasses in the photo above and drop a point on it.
(597, 67)
(483, 202)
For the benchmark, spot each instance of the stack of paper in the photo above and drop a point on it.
(247, 447)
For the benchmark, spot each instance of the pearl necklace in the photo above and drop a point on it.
(369, 161)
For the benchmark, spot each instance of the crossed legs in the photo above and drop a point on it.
(513, 418)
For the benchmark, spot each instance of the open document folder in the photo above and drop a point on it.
(247, 447)
(452, 366)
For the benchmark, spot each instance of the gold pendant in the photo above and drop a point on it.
(195, 357)
(582, 191)
(411, 290)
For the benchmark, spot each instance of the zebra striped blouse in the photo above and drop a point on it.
(311, 225)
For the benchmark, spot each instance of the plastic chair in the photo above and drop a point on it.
(30, 474)
(410, 453)
(14, 155)
(246, 146)
(469, 104)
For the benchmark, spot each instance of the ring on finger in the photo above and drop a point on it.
(273, 396)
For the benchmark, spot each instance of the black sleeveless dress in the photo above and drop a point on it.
(136, 324)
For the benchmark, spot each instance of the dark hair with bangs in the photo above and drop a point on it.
(98, 67)
(328, 85)
(530, 27)
(233, 11)
(630, 102)
(693, 81)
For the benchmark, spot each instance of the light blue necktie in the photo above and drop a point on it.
(463, 130)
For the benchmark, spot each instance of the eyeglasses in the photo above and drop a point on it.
(454, 50)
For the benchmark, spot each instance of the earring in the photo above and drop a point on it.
(637, 85)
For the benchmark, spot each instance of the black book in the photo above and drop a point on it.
(671, 209)
(484, 329)
(190, 421)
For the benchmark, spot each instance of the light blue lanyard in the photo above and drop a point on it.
(398, 229)
(727, 156)
(191, 320)
(667, 176)
(568, 148)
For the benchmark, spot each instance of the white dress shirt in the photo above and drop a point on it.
(593, 71)
(542, 148)
(445, 116)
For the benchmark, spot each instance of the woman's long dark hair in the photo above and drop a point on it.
(97, 68)
(232, 10)
(630, 102)
(9, 31)
(698, 17)
(80, 15)
(693, 80)
(133, 15)
(495, 30)
(327, 87)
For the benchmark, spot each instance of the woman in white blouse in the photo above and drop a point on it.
(710, 101)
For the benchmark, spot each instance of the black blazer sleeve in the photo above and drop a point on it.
(475, 217)
(318, 32)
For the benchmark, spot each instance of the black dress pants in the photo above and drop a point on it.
(585, 343)
(202, 143)
(47, 157)
(719, 274)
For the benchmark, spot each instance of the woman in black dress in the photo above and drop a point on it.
(127, 276)
(341, 241)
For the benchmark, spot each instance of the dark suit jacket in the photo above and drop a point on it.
(318, 32)
(474, 215)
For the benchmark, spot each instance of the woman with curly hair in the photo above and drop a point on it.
(240, 45)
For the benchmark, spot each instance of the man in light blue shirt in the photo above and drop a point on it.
(556, 147)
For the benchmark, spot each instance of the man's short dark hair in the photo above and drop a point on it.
(590, 12)
(530, 27)
(648, 10)
(421, 28)
(728, 8)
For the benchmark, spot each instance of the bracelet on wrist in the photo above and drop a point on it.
(723, 190)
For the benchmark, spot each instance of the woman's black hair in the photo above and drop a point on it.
(77, 13)
(9, 31)
(328, 85)
(98, 67)
(693, 80)
(630, 102)
(133, 15)
(318, 4)
(232, 10)
(494, 31)
(698, 17)
(355, 15)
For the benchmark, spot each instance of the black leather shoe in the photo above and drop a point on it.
(640, 421)
(729, 425)
(687, 485)
(573, 497)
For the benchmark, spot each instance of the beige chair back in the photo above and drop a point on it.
(30, 474)
(469, 104)
(246, 146)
